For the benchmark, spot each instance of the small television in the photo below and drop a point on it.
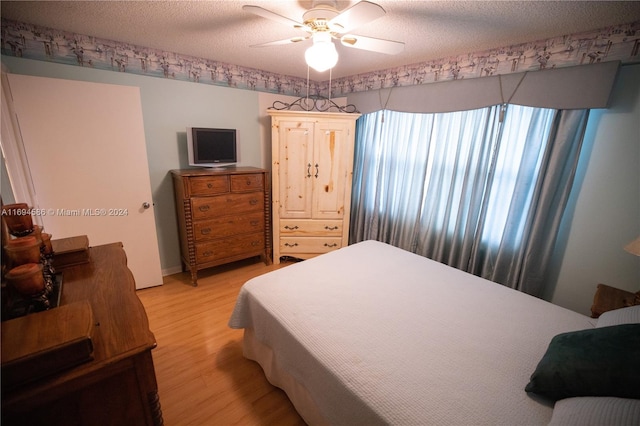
(210, 147)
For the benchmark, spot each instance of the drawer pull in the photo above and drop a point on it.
(255, 243)
(308, 170)
(254, 222)
(290, 245)
(253, 202)
(331, 228)
(330, 245)
(317, 170)
(291, 228)
(204, 208)
(207, 253)
(209, 185)
(205, 231)
(248, 182)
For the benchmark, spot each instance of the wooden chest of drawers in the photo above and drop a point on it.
(223, 216)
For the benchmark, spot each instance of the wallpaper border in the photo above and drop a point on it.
(616, 43)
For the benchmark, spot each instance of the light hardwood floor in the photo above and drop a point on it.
(203, 379)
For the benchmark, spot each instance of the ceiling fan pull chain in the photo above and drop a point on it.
(307, 84)
(330, 70)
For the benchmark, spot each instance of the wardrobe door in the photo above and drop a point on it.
(296, 169)
(333, 159)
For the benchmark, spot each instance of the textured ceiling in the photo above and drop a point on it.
(222, 31)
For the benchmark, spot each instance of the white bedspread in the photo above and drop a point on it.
(378, 335)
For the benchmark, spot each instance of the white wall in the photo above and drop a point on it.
(604, 211)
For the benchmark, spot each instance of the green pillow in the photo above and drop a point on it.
(596, 362)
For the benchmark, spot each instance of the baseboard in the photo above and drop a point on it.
(171, 271)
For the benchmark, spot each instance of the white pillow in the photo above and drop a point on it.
(596, 411)
(629, 315)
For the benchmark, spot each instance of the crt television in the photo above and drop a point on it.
(210, 147)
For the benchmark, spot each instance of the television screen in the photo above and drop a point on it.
(210, 147)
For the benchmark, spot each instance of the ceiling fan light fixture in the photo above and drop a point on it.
(323, 54)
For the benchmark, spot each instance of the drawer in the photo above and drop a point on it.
(248, 182)
(210, 251)
(208, 185)
(226, 226)
(292, 245)
(319, 228)
(221, 205)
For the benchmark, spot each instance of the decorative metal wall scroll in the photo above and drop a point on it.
(313, 103)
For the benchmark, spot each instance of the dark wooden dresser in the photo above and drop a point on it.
(223, 216)
(118, 386)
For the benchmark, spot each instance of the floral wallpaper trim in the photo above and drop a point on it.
(621, 42)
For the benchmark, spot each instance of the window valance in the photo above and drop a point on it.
(577, 87)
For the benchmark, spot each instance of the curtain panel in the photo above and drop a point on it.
(577, 87)
(468, 189)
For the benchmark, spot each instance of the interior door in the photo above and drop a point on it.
(85, 146)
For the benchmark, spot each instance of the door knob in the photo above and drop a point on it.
(146, 205)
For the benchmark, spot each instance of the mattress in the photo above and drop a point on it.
(372, 334)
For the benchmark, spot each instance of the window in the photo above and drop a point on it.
(463, 188)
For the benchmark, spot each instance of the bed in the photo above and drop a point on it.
(371, 334)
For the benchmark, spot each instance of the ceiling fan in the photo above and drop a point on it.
(323, 22)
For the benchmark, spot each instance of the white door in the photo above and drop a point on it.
(85, 146)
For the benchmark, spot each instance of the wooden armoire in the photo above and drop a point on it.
(312, 156)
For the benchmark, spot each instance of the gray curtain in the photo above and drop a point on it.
(524, 266)
(479, 190)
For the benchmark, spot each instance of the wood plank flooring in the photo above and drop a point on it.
(203, 379)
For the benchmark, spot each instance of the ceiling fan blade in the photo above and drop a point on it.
(257, 10)
(359, 14)
(281, 42)
(389, 47)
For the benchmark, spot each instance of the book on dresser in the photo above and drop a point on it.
(223, 216)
